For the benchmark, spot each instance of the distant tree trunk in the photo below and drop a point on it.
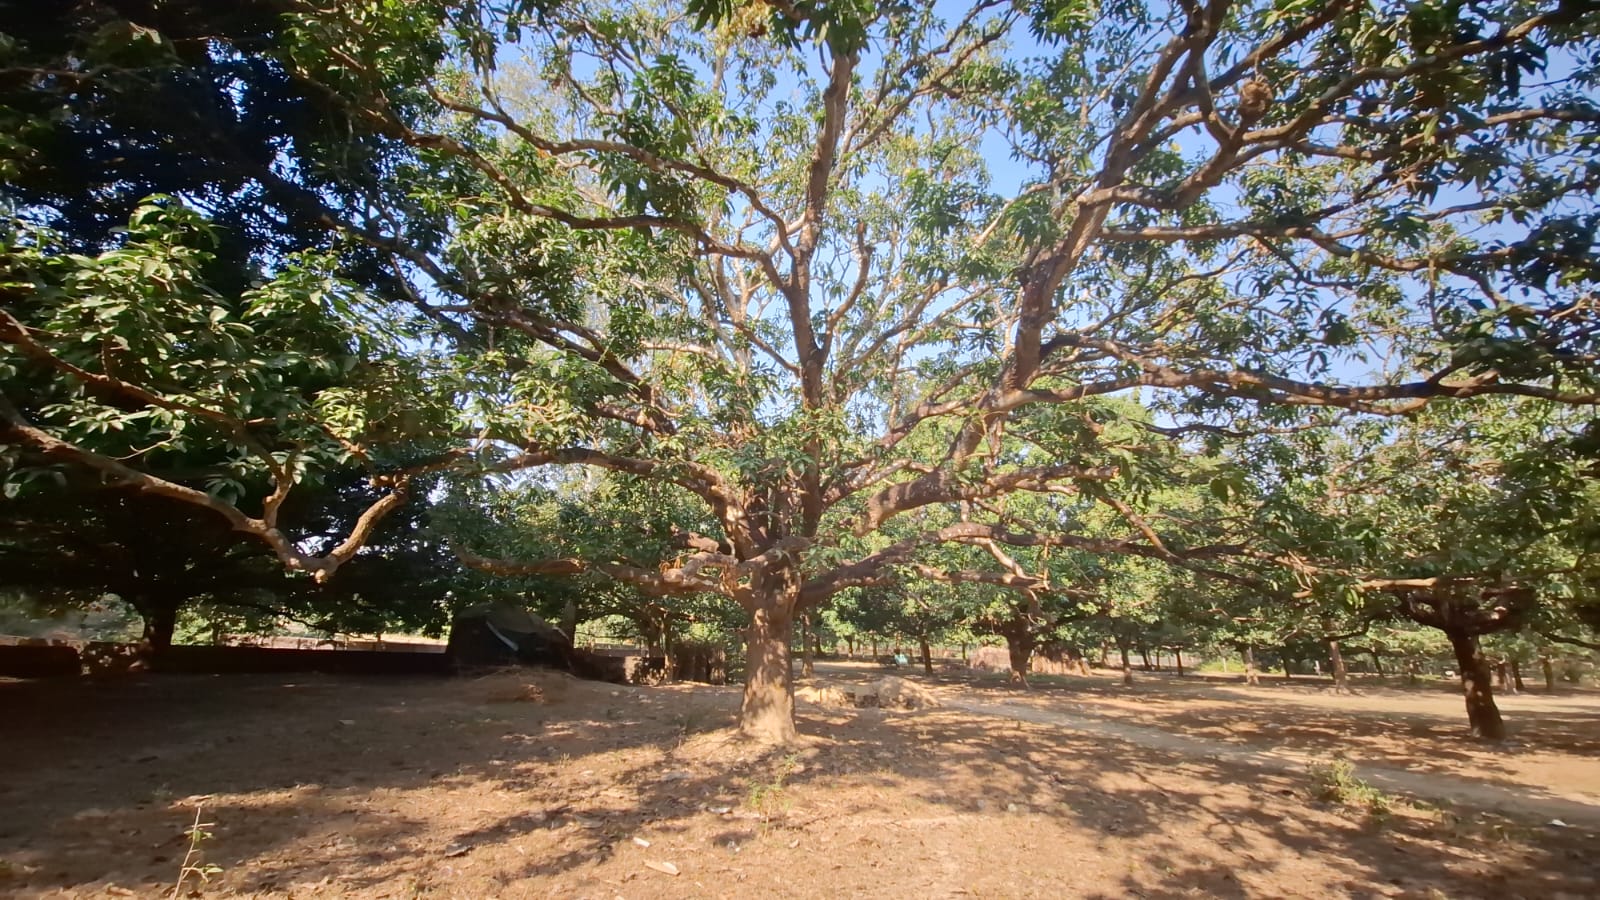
(1516, 676)
(1146, 656)
(1127, 667)
(1478, 687)
(874, 648)
(1549, 673)
(1105, 653)
(1178, 655)
(1288, 674)
(1250, 675)
(569, 621)
(1019, 648)
(1502, 675)
(160, 616)
(1341, 676)
(850, 647)
(767, 710)
(808, 667)
(927, 656)
(1377, 662)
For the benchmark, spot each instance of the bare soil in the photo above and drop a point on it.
(1554, 746)
(532, 785)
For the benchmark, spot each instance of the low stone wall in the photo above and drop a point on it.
(39, 659)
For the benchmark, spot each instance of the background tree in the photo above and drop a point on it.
(1468, 523)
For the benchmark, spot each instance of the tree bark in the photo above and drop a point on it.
(1502, 676)
(1549, 673)
(1377, 663)
(1020, 651)
(1178, 656)
(1516, 676)
(1250, 675)
(767, 711)
(808, 666)
(1127, 667)
(1341, 676)
(1288, 674)
(927, 656)
(160, 621)
(1145, 654)
(1477, 685)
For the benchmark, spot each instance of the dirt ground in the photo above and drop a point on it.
(1554, 745)
(534, 785)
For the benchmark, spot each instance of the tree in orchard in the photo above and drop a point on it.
(635, 522)
(75, 542)
(824, 266)
(178, 318)
(1469, 520)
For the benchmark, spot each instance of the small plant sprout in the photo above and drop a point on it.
(194, 865)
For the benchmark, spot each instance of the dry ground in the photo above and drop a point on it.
(478, 788)
(1554, 748)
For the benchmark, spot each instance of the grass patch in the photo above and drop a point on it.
(1336, 782)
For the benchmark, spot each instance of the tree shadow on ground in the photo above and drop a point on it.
(370, 786)
(1387, 727)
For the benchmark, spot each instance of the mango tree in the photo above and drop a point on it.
(825, 266)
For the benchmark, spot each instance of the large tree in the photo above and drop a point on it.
(823, 266)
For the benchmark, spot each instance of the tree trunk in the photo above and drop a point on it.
(1288, 675)
(669, 667)
(1250, 676)
(1549, 673)
(160, 621)
(1127, 667)
(1478, 686)
(1178, 656)
(569, 622)
(1377, 663)
(767, 712)
(927, 656)
(1145, 654)
(1020, 650)
(1341, 676)
(850, 647)
(1516, 676)
(874, 648)
(808, 666)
